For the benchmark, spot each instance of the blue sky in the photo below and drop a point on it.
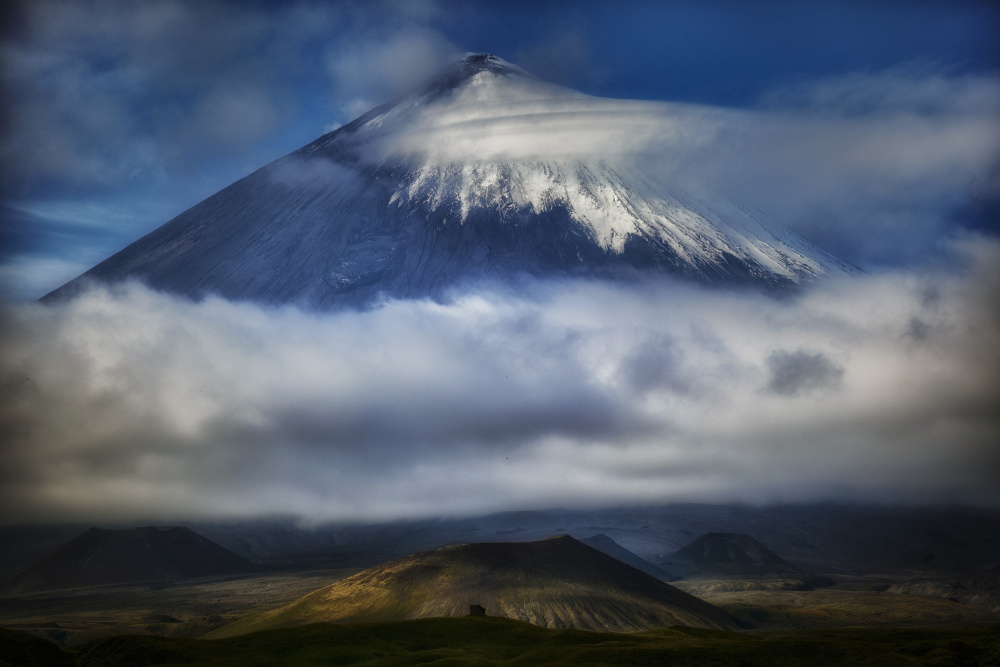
(119, 115)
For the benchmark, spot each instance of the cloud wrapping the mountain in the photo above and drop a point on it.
(130, 404)
(875, 168)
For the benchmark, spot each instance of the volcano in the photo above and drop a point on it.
(485, 173)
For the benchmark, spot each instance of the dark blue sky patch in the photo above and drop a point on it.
(22, 232)
(727, 52)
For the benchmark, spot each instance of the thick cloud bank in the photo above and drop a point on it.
(127, 404)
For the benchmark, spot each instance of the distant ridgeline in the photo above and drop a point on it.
(101, 557)
(737, 556)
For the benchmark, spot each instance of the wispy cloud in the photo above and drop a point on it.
(46, 243)
(109, 93)
(126, 403)
(875, 167)
(381, 64)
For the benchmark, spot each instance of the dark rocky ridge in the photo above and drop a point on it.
(608, 546)
(153, 554)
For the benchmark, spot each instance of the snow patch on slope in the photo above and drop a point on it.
(490, 136)
(614, 203)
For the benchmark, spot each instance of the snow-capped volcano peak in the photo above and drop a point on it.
(483, 172)
(477, 87)
(474, 64)
(472, 71)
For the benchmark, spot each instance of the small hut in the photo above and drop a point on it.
(477, 610)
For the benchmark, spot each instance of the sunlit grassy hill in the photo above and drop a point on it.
(555, 583)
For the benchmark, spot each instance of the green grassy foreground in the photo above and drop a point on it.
(500, 641)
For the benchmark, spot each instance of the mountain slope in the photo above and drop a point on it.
(554, 583)
(101, 557)
(608, 546)
(486, 173)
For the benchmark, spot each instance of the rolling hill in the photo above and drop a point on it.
(555, 583)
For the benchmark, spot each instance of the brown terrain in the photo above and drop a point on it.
(556, 583)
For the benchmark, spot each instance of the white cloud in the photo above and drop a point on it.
(105, 92)
(232, 116)
(912, 89)
(27, 277)
(126, 403)
(876, 168)
(77, 233)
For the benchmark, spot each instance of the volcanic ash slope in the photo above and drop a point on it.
(554, 583)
